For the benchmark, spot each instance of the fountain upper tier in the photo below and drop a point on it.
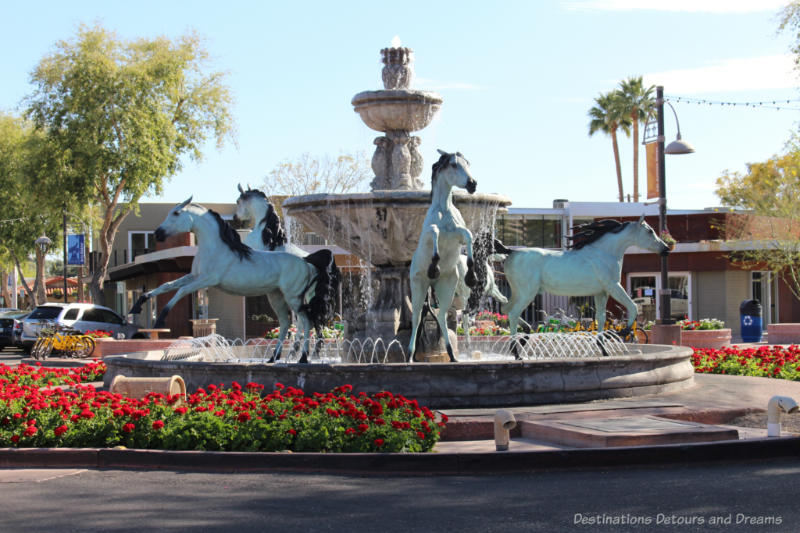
(383, 227)
(397, 109)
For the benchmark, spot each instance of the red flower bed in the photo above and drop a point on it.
(240, 419)
(764, 361)
(40, 376)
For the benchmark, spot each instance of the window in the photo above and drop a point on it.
(109, 317)
(93, 315)
(45, 313)
(140, 242)
(644, 288)
(71, 314)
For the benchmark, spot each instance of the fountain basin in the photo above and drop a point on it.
(383, 227)
(397, 109)
(658, 368)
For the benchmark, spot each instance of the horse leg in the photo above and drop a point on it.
(600, 301)
(189, 287)
(305, 322)
(619, 294)
(466, 236)
(281, 308)
(433, 268)
(445, 289)
(161, 289)
(418, 292)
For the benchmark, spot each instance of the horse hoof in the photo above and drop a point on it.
(433, 271)
(470, 279)
(303, 360)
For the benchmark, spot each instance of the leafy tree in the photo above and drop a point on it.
(608, 116)
(640, 106)
(771, 230)
(309, 174)
(121, 114)
(25, 156)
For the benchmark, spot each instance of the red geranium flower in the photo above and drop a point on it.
(60, 430)
(129, 427)
(158, 424)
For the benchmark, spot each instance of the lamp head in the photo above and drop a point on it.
(43, 243)
(679, 146)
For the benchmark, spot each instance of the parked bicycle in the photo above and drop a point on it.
(63, 342)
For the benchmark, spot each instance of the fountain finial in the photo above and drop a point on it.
(397, 71)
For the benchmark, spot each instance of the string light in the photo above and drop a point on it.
(780, 105)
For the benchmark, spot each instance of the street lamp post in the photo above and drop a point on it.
(64, 228)
(678, 146)
(42, 244)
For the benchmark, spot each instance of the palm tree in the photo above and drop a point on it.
(640, 107)
(608, 115)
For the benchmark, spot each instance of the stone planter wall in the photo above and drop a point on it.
(783, 333)
(105, 347)
(706, 338)
(440, 385)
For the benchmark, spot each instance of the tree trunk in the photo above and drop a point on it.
(617, 164)
(23, 281)
(634, 116)
(6, 295)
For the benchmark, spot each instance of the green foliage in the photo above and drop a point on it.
(121, 114)
(608, 116)
(769, 191)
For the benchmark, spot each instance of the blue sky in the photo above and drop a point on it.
(517, 78)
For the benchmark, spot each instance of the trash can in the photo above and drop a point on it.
(750, 315)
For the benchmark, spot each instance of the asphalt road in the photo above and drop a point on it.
(741, 497)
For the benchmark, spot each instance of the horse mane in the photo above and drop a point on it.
(229, 236)
(439, 166)
(272, 234)
(319, 308)
(585, 234)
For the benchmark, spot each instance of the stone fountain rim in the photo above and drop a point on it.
(393, 196)
(395, 96)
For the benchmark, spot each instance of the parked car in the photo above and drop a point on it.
(8, 319)
(80, 316)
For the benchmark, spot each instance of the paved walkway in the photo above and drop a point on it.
(713, 399)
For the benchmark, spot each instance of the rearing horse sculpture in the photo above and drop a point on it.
(268, 234)
(307, 285)
(435, 261)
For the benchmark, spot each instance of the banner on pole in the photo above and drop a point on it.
(75, 249)
(652, 170)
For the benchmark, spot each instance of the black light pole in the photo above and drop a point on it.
(665, 310)
(64, 222)
(676, 147)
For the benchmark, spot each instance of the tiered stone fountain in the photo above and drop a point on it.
(382, 227)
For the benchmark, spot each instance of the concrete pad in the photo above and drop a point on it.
(486, 446)
(35, 475)
(623, 431)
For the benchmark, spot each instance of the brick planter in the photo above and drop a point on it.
(706, 338)
(783, 333)
(104, 347)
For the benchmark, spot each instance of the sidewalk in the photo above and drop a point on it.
(714, 399)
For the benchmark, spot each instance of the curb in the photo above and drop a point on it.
(400, 463)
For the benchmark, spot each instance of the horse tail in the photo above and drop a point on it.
(500, 248)
(319, 307)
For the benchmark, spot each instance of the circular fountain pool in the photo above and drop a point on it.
(489, 382)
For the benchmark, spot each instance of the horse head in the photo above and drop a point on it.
(453, 170)
(178, 220)
(246, 203)
(646, 238)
